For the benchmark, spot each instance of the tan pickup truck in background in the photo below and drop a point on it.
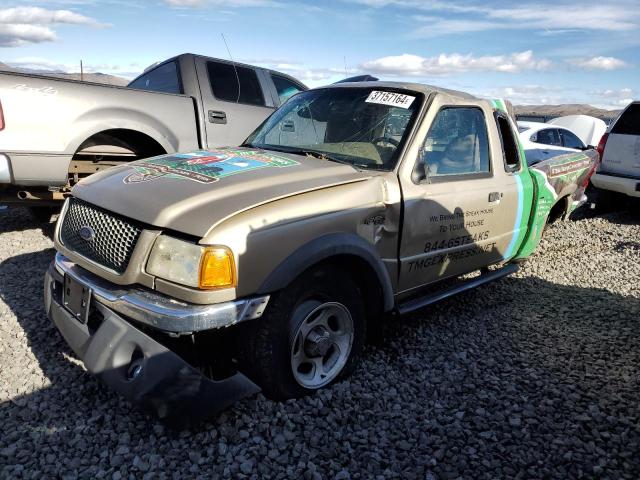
(189, 280)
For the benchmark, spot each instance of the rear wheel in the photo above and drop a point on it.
(311, 335)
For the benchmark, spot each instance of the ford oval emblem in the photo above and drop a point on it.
(87, 233)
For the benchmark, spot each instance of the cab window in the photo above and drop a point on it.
(164, 78)
(235, 84)
(285, 87)
(509, 142)
(456, 144)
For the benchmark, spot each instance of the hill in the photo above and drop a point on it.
(553, 111)
(87, 77)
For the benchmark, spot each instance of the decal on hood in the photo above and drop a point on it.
(205, 166)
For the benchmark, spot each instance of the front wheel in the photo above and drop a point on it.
(310, 336)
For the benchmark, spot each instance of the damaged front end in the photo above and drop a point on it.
(148, 347)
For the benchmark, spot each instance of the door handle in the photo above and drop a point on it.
(288, 126)
(494, 197)
(217, 117)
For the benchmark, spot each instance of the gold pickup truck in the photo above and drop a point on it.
(190, 280)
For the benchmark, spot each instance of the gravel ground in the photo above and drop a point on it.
(537, 375)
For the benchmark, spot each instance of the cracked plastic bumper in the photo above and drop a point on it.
(140, 368)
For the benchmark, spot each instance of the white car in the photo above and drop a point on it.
(588, 129)
(543, 140)
(619, 170)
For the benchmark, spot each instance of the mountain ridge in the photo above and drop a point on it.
(97, 77)
(547, 111)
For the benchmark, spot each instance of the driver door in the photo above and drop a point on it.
(458, 215)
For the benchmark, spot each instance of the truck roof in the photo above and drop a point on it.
(416, 87)
(239, 64)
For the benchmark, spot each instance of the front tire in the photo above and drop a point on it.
(311, 335)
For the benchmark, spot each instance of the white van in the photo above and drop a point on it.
(619, 149)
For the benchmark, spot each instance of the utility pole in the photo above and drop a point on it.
(81, 72)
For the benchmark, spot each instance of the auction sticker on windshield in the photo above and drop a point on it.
(390, 98)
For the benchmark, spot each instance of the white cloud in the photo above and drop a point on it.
(609, 93)
(599, 63)
(23, 25)
(436, 26)
(596, 16)
(185, 3)
(607, 99)
(12, 35)
(529, 94)
(41, 16)
(620, 15)
(613, 98)
(446, 64)
(219, 3)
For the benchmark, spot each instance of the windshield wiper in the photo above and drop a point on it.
(323, 156)
(303, 151)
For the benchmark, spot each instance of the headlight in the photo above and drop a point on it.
(192, 265)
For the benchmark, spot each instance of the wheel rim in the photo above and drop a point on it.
(321, 345)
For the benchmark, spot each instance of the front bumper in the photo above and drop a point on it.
(139, 367)
(160, 311)
(626, 185)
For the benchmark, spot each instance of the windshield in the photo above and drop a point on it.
(364, 127)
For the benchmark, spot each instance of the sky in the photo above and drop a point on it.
(547, 52)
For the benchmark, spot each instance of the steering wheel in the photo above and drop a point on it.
(390, 140)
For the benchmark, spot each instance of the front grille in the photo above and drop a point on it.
(114, 237)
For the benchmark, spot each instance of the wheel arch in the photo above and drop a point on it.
(560, 209)
(348, 251)
(143, 144)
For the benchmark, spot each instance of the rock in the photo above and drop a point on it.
(246, 467)
(537, 368)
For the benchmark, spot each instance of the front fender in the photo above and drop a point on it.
(324, 248)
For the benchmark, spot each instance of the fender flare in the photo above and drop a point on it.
(324, 248)
(96, 128)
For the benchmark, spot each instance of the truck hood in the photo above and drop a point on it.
(192, 192)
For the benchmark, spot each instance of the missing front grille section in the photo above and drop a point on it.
(103, 237)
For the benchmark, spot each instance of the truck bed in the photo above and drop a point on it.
(47, 119)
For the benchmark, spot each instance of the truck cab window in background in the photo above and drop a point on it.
(164, 78)
(346, 125)
(285, 87)
(509, 143)
(629, 121)
(224, 83)
(456, 144)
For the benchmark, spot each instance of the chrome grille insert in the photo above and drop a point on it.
(101, 236)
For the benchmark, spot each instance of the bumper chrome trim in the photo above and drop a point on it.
(160, 311)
